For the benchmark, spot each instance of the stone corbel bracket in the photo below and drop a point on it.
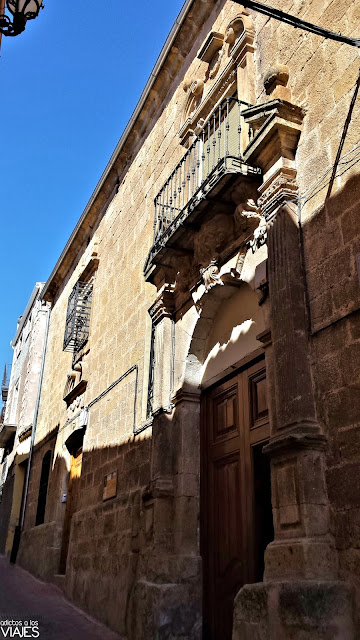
(276, 127)
(164, 305)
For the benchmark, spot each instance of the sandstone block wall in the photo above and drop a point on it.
(109, 540)
(107, 536)
(322, 77)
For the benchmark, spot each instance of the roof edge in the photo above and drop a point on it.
(45, 294)
(35, 292)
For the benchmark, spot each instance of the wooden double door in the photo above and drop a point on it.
(236, 516)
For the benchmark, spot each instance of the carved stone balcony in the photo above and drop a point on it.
(211, 178)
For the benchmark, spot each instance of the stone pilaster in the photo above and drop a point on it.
(161, 313)
(302, 547)
(300, 564)
(167, 597)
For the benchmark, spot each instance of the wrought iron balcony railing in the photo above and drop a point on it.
(216, 150)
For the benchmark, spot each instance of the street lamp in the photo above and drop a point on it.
(22, 11)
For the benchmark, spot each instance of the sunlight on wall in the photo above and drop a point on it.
(233, 334)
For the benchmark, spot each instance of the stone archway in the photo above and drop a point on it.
(223, 339)
(168, 589)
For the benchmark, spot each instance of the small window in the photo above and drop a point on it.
(43, 489)
(78, 317)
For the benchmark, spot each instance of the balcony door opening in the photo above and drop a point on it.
(236, 514)
(76, 448)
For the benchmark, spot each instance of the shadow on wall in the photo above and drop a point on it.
(133, 559)
(232, 334)
(111, 542)
(332, 262)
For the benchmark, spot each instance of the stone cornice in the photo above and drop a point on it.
(302, 436)
(276, 126)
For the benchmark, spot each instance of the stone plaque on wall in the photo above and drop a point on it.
(110, 485)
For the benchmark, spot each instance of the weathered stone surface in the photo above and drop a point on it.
(134, 560)
(287, 610)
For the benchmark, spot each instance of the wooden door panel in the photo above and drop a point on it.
(234, 418)
(225, 421)
(227, 523)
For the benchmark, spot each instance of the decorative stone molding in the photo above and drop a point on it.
(73, 398)
(276, 127)
(25, 433)
(214, 65)
(239, 37)
(182, 395)
(160, 487)
(279, 189)
(223, 229)
(240, 260)
(275, 82)
(212, 238)
(211, 276)
(246, 215)
(164, 305)
(260, 235)
(211, 46)
(265, 338)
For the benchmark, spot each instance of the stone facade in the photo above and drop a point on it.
(19, 415)
(253, 261)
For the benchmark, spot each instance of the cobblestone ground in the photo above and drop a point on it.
(24, 599)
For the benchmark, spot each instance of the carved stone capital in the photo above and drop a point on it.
(280, 189)
(265, 338)
(164, 305)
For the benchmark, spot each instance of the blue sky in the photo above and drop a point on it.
(69, 84)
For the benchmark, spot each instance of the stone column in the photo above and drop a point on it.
(166, 601)
(302, 547)
(300, 595)
(161, 313)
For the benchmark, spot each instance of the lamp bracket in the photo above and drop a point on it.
(14, 28)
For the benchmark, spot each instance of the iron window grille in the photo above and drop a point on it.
(78, 317)
(150, 394)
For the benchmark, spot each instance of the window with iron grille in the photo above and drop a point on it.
(150, 394)
(78, 317)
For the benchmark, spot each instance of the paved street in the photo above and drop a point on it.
(25, 599)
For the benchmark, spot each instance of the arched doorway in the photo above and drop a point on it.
(236, 515)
